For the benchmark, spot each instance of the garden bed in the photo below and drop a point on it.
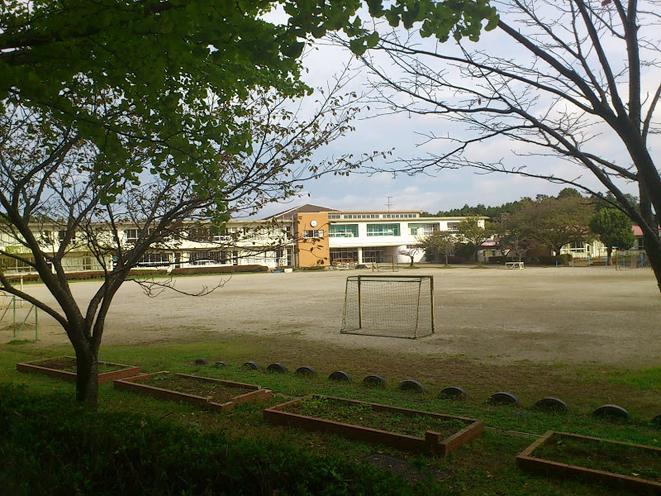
(635, 466)
(65, 368)
(402, 428)
(207, 392)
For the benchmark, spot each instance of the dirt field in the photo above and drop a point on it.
(560, 315)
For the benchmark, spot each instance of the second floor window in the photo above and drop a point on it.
(424, 229)
(343, 231)
(383, 230)
(313, 234)
(132, 234)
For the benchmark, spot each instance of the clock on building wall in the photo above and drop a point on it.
(313, 223)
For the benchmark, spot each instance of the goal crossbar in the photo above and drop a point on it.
(389, 305)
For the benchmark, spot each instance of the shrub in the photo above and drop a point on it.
(97, 274)
(50, 446)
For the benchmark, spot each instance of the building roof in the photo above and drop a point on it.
(308, 207)
(378, 211)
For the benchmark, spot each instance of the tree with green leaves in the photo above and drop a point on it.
(117, 107)
(472, 234)
(552, 222)
(614, 229)
(160, 59)
(439, 244)
(512, 236)
(54, 201)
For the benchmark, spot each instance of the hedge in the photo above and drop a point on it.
(50, 446)
(97, 274)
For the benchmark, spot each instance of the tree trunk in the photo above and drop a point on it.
(556, 254)
(87, 386)
(654, 256)
(609, 255)
(446, 260)
(411, 265)
(652, 245)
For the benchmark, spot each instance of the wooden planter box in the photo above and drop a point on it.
(256, 393)
(432, 442)
(527, 460)
(41, 367)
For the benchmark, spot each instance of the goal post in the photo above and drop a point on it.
(389, 305)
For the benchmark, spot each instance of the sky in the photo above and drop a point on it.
(403, 134)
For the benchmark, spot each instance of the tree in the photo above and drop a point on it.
(111, 108)
(614, 230)
(146, 52)
(578, 82)
(411, 253)
(552, 222)
(439, 244)
(54, 200)
(513, 236)
(473, 235)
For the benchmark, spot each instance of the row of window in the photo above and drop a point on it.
(347, 255)
(415, 229)
(410, 215)
(204, 257)
(313, 234)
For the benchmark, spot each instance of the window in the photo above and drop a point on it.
(360, 216)
(400, 216)
(343, 255)
(313, 234)
(577, 246)
(334, 216)
(154, 259)
(383, 230)
(214, 256)
(427, 229)
(374, 255)
(131, 234)
(61, 235)
(199, 234)
(87, 263)
(453, 226)
(343, 231)
(640, 243)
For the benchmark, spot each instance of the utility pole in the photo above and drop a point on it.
(389, 202)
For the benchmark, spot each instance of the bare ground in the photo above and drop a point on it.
(544, 315)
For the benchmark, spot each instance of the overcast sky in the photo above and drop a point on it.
(444, 190)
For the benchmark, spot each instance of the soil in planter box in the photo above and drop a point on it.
(69, 365)
(219, 392)
(610, 457)
(366, 416)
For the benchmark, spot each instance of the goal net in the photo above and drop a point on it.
(389, 305)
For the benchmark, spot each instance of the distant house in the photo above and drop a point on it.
(595, 249)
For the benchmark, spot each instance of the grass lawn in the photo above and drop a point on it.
(485, 466)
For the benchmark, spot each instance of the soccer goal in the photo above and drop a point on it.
(389, 305)
(389, 264)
